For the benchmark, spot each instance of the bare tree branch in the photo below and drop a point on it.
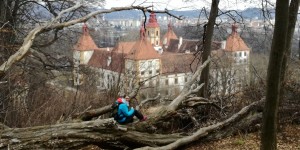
(206, 130)
(28, 41)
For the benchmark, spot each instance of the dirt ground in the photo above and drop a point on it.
(288, 139)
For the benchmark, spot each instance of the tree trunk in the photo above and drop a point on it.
(293, 12)
(268, 137)
(299, 49)
(103, 133)
(209, 31)
(106, 134)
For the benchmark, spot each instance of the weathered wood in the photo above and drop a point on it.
(202, 132)
(103, 133)
(90, 114)
(106, 134)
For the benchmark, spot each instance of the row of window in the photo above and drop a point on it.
(242, 61)
(149, 33)
(166, 82)
(149, 72)
(175, 80)
(240, 54)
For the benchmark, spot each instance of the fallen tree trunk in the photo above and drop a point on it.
(90, 114)
(106, 134)
(103, 133)
(206, 131)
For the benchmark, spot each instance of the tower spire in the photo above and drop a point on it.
(85, 29)
(142, 33)
(234, 28)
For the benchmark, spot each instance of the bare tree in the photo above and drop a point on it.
(279, 42)
(207, 39)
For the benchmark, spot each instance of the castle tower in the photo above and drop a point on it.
(168, 36)
(83, 51)
(153, 30)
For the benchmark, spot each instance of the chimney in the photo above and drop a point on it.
(180, 42)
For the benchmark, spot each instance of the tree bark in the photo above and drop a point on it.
(299, 49)
(209, 31)
(269, 128)
(206, 131)
(106, 134)
(293, 13)
(90, 114)
(103, 133)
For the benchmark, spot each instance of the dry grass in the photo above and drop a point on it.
(288, 139)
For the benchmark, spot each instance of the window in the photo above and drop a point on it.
(185, 79)
(176, 81)
(166, 82)
(150, 72)
(156, 42)
(142, 73)
(240, 54)
(157, 71)
(156, 33)
(245, 54)
(235, 54)
(150, 63)
(148, 33)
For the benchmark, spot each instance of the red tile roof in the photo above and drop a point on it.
(85, 42)
(188, 44)
(124, 47)
(234, 42)
(169, 35)
(142, 50)
(100, 58)
(178, 63)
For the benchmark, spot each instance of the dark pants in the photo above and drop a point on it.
(129, 119)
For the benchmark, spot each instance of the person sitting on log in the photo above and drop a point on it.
(126, 114)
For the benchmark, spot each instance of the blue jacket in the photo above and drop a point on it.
(124, 111)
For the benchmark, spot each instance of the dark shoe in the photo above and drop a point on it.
(144, 119)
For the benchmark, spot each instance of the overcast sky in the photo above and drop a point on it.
(182, 5)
